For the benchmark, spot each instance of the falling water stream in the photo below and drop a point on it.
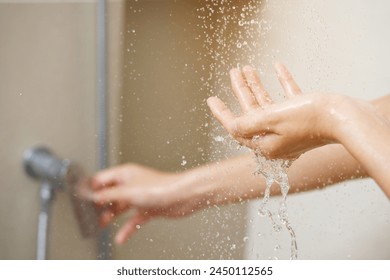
(275, 171)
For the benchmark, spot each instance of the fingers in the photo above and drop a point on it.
(244, 126)
(106, 217)
(112, 211)
(222, 114)
(242, 92)
(250, 92)
(130, 227)
(290, 87)
(106, 178)
(120, 194)
(256, 86)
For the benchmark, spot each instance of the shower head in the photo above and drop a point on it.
(40, 163)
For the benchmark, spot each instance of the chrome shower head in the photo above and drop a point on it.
(40, 163)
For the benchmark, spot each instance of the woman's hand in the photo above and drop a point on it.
(149, 192)
(283, 130)
(301, 123)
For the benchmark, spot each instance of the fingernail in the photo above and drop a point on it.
(234, 71)
(95, 197)
(210, 100)
(118, 240)
(279, 67)
(248, 68)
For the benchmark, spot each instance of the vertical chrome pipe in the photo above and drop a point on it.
(102, 107)
(46, 195)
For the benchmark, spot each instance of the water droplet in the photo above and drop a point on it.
(219, 138)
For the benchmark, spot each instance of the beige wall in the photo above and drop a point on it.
(331, 46)
(47, 96)
(165, 118)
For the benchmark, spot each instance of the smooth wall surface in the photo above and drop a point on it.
(47, 97)
(165, 125)
(340, 47)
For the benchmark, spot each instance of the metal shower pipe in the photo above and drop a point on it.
(104, 251)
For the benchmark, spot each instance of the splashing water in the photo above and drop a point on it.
(234, 32)
(231, 32)
(275, 171)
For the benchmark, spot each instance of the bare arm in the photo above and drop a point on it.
(233, 180)
(157, 194)
(153, 193)
(366, 135)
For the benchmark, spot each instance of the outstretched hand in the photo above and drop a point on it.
(149, 192)
(283, 130)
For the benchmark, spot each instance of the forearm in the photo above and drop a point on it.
(234, 180)
(323, 166)
(221, 182)
(366, 135)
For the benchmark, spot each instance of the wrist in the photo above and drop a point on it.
(347, 118)
(337, 116)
